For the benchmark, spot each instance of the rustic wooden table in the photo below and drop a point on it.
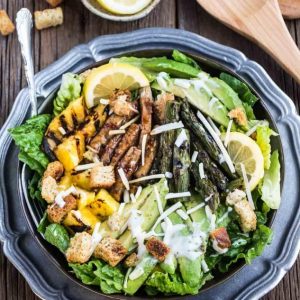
(81, 26)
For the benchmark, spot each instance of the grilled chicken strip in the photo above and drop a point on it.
(112, 123)
(150, 154)
(121, 104)
(160, 106)
(110, 149)
(146, 102)
(129, 139)
(129, 164)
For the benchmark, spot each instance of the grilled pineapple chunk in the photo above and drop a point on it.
(70, 151)
(74, 224)
(104, 204)
(88, 218)
(65, 182)
(94, 121)
(85, 198)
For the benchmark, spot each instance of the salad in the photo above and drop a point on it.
(154, 175)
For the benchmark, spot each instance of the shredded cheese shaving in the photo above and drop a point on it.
(226, 140)
(132, 197)
(144, 142)
(168, 175)
(115, 132)
(217, 140)
(87, 166)
(96, 237)
(59, 199)
(195, 208)
(62, 130)
(121, 208)
(129, 123)
(167, 127)
(123, 178)
(182, 137)
(126, 196)
(150, 177)
(177, 195)
(248, 192)
(104, 101)
(158, 200)
(213, 125)
(182, 214)
(184, 83)
(201, 171)
(138, 192)
(204, 266)
(126, 277)
(194, 156)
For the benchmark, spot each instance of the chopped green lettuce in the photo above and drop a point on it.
(69, 90)
(44, 223)
(96, 272)
(271, 183)
(58, 236)
(28, 137)
(240, 88)
(172, 284)
(263, 139)
(181, 57)
(34, 188)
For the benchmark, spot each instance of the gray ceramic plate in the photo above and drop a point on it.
(44, 268)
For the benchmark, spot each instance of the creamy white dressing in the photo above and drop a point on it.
(162, 80)
(184, 83)
(181, 245)
(217, 248)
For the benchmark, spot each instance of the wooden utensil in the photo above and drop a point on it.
(290, 9)
(262, 22)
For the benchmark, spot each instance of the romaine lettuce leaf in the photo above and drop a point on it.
(271, 183)
(96, 272)
(69, 90)
(58, 236)
(263, 139)
(172, 284)
(28, 137)
(181, 57)
(34, 188)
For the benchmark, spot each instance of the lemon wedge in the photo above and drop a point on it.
(124, 7)
(243, 150)
(103, 81)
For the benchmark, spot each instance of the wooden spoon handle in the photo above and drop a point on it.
(290, 9)
(270, 32)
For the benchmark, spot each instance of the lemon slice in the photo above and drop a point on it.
(243, 150)
(103, 81)
(124, 7)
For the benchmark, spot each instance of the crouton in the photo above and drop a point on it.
(54, 169)
(221, 236)
(110, 250)
(102, 177)
(49, 189)
(235, 196)
(6, 25)
(54, 3)
(247, 215)
(157, 248)
(131, 260)
(48, 18)
(80, 247)
(56, 214)
(120, 105)
(238, 115)
(114, 222)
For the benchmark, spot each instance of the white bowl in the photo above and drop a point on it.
(95, 7)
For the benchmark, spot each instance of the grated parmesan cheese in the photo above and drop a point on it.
(184, 83)
(150, 177)
(136, 273)
(248, 192)
(217, 140)
(121, 208)
(126, 196)
(226, 140)
(96, 237)
(59, 199)
(158, 200)
(201, 171)
(138, 192)
(104, 101)
(115, 132)
(87, 166)
(213, 125)
(204, 266)
(167, 127)
(129, 122)
(195, 208)
(132, 197)
(177, 195)
(194, 156)
(181, 138)
(168, 175)
(123, 178)
(182, 214)
(144, 142)
(62, 130)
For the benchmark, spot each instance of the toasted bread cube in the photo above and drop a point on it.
(157, 248)
(102, 177)
(238, 115)
(110, 250)
(221, 236)
(80, 248)
(56, 214)
(131, 260)
(247, 215)
(48, 18)
(49, 189)
(54, 3)
(6, 25)
(54, 169)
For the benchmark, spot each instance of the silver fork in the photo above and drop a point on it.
(24, 26)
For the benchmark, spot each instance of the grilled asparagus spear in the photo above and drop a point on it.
(189, 118)
(212, 170)
(205, 187)
(181, 164)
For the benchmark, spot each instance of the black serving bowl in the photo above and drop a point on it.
(44, 266)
